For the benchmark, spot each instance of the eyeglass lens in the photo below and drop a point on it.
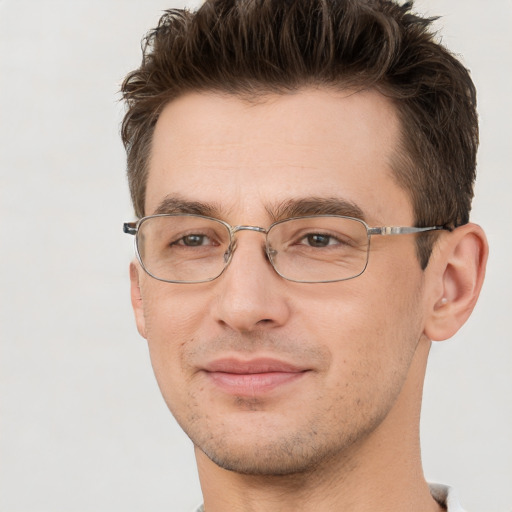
(311, 249)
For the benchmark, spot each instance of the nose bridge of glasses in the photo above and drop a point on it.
(235, 229)
(233, 244)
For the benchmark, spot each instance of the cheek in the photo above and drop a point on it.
(372, 322)
(372, 341)
(171, 323)
(393, 322)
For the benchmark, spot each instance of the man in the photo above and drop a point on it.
(303, 174)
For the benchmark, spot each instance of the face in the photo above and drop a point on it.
(268, 376)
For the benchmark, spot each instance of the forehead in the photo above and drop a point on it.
(244, 156)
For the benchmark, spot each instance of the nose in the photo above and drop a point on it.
(250, 294)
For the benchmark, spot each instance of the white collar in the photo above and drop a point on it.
(446, 496)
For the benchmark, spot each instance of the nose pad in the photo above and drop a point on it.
(271, 255)
(271, 252)
(229, 252)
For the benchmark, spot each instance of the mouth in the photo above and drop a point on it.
(253, 377)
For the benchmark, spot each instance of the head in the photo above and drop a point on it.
(251, 49)
(253, 111)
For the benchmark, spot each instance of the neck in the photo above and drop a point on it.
(381, 472)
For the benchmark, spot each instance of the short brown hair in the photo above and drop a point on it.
(255, 47)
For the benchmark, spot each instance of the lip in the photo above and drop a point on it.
(252, 377)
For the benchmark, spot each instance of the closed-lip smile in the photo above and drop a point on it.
(252, 377)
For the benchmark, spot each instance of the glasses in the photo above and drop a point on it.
(312, 249)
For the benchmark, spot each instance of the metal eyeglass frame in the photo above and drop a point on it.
(132, 228)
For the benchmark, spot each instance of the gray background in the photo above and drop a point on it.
(82, 423)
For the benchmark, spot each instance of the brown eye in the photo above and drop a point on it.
(193, 240)
(318, 240)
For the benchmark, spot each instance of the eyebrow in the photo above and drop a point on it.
(315, 206)
(300, 207)
(175, 205)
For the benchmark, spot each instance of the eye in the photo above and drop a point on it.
(194, 240)
(319, 240)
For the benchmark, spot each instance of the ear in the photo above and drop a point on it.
(136, 297)
(456, 278)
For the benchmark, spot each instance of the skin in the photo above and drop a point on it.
(344, 434)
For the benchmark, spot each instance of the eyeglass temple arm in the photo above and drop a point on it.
(404, 230)
(130, 228)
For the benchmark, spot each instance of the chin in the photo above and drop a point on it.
(264, 461)
(272, 452)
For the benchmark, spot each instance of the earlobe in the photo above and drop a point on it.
(458, 274)
(136, 298)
